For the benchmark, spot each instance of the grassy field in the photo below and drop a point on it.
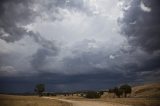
(144, 95)
(8, 100)
(147, 90)
(134, 101)
(126, 101)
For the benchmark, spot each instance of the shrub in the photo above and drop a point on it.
(92, 95)
(101, 92)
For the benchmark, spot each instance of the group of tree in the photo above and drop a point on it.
(121, 91)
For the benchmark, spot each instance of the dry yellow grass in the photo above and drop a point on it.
(10, 100)
(125, 101)
(147, 90)
(134, 101)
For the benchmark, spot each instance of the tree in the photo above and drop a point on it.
(126, 89)
(82, 94)
(118, 92)
(39, 89)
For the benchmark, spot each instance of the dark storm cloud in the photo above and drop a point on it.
(18, 13)
(61, 82)
(151, 64)
(89, 65)
(141, 26)
(13, 15)
(94, 60)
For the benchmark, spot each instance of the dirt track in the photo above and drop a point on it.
(87, 103)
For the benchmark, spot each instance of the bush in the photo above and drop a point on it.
(82, 94)
(92, 95)
(101, 92)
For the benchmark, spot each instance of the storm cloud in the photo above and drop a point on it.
(78, 44)
(14, 15)
(140, 26)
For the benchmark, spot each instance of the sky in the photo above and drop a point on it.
(71, 45)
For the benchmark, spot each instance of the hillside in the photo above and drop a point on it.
(151, 90)
(147, 90)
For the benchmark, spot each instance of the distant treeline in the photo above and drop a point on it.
(121, 91)
(22, 94)
(86, 93)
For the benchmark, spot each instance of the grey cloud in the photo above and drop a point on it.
(88, 59)
(129, 63)
(73, 5)
(48, 49)
(79, 5)
(43, 42)
(86, 62)
(7, 71)
(142, 28)
(142, 31)
(16, 14)
(13, 15)
(39, 58)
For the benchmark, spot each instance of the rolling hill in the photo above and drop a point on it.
(146, 90)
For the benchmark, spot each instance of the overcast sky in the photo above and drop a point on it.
(78, 44)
